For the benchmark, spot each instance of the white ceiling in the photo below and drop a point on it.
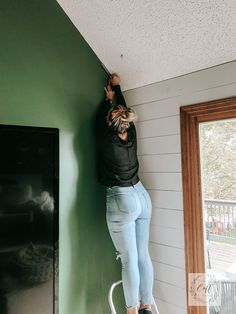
(147, 41)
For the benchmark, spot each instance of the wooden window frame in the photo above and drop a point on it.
(190, 118)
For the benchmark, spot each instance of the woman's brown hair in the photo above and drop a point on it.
(120, 117)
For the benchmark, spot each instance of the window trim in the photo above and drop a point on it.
(190, 118)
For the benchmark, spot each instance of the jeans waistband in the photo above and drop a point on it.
(120, 189)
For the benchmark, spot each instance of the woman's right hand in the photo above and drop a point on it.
(114, 79)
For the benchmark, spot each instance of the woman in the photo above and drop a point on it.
(128, 203)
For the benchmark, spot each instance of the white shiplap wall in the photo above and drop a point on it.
(159, 153)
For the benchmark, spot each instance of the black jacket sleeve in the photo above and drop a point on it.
(101, 123)
(120, 100)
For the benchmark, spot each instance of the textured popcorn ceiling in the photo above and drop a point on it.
(147, 41)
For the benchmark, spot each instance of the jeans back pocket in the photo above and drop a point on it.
(126, 202)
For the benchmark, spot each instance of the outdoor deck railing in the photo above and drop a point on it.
(220, 218)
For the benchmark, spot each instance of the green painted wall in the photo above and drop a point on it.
(50, 77)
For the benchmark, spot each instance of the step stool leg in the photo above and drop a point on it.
(155, 306)
(110, 300)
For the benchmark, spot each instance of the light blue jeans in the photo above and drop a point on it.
(128, 219)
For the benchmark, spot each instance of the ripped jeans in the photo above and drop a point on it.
(128, 219)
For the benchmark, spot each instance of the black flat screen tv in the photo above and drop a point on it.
(29, 211)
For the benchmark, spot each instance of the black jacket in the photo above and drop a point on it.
(117, 159)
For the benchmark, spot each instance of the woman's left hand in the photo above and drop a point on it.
(109, 92)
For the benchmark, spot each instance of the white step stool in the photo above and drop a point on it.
(113, 310)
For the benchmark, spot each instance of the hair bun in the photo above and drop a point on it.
(120, 117)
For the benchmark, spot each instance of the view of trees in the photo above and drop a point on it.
(218, 157)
